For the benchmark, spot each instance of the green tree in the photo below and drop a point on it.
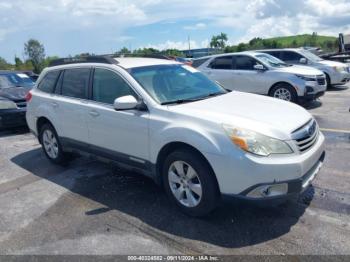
(174, 52)
(219, 41)
(124, 51)
(4, 65)
(35, 52)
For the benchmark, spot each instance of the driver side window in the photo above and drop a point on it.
(107, 86)
(245, 63)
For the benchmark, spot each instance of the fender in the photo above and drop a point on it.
(192, 135)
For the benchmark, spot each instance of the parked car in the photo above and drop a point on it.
(14, 87)
(337, 73)
(264, 74)
(170, 122)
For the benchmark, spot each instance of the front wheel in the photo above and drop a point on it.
(284, 92)
(190, 183)
(328, 81)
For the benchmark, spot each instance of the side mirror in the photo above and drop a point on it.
(303, 60)
(125, 103)
(259, 67)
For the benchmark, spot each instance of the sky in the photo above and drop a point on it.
(69, 27)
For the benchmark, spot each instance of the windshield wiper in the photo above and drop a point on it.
(181, 101)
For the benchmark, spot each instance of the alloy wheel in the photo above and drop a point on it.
(50, 144)
(283, 93)
(185, 184)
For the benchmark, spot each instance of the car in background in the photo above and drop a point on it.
(32, 75)
(14, 86)
(186, 61)
(261, 73)
(170, 122)
(337, 73)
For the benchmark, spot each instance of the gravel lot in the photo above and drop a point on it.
(89, 207)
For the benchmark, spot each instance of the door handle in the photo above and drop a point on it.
(54, 104)
(94, 113)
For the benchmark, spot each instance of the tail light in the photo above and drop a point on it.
(29, 96)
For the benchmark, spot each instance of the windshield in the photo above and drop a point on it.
(271, 60)
(175, 83)
(15, 80)
(310, 56)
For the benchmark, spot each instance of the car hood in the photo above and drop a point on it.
(266, 115)
(331, 63)
(300, 70)
(14, 93)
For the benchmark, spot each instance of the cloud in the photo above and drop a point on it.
(197, 26)
(107, 21)
(181, 45)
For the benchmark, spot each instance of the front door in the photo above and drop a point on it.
(120, 135)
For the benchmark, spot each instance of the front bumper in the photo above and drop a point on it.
(267, 192)
(239, 172)
(340, 78)
(10, 118)
(312, 96)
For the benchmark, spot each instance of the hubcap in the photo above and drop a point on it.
(50, 144)
(283, 93)
(185, 184)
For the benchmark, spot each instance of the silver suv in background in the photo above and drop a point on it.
(261, 73)
(336, 72)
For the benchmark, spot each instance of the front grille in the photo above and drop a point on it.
(21, 103)
(321, 80)
(306, 136)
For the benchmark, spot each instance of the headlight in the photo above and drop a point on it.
(339, 69)
(7, 104)
(256, 143)
(307, 78)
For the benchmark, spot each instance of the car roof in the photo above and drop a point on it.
(131, 62)
(251, 53)
(124, 62)
(279, 49)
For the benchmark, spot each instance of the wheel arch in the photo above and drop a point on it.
(41, 121)
(278, 83)
(172, 147)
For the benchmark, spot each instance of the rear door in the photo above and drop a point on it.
(71, 104)
(220, 69)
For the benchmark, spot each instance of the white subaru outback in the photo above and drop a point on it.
(168, 121)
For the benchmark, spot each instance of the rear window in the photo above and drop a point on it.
(223, 62)
(276, 54)
(75, 82)
(48, 83)
(199, 62)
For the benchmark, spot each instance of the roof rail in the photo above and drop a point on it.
(84, 59)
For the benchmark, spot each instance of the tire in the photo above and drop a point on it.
(195, 191)
(328, 81)
(285, 92)
(51, 145)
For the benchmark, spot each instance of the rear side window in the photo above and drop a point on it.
(291, 56)
(48, 83)
(199, 62)
(75, 82)
(223, 62)
(276, 54)
(107, 86)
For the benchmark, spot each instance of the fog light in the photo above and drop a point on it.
(309, 89)
(269, 190)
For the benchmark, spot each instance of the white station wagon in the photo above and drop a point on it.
(168, 121)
